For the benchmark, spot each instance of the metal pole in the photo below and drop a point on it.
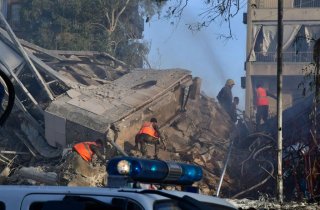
(225, 167)
(316, 52)
(118, 148)
(279, 101)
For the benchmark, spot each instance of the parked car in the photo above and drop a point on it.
(61, 198)
(127, 176)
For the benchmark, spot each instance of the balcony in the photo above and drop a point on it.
(273, 4)
(302, 57)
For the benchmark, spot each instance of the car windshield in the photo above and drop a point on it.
(82, 202)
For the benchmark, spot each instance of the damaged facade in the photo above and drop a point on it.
(301, 28)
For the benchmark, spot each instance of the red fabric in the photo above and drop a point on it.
(262, 98)
(147, 128)
(83, 149)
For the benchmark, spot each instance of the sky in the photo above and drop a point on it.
(209, 57)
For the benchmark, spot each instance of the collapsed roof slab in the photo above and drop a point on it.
(85, 113)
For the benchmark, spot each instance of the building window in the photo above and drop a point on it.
(306, 3)
(298, 41)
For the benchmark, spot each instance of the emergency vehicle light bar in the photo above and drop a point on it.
(154, 171)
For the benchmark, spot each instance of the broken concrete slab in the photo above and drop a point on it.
(98, 106)
(38, 175)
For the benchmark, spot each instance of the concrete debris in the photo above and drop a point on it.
(37, 174)
(4, 175)
(72, 172)
(268, 203)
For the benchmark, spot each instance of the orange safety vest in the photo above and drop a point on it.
(83, 149)
(147, 128)
(262, 98)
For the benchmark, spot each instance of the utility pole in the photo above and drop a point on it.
(279, 101)
(316, 52)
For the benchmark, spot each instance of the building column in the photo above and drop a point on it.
(248, 101)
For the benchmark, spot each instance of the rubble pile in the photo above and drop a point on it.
(200, 135)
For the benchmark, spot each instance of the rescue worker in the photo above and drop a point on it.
(87, 149)
(80, 160)
(262, 104)
(148, 133)
(225, 97)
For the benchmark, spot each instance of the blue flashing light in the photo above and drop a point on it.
(154, 171)
(153, 168)
(190, 173)
(143, 170)
(112, 167)
(136, 169)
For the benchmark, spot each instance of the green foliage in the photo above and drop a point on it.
(97, 25)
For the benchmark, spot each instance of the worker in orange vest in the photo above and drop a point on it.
(148, 133)
(262, 104)
(87, 149)
(83, 153)
(79, 165)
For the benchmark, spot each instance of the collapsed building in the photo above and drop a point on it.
(65, 97)
(84, 92)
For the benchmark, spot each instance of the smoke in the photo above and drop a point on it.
(212, 58)
(173, 45)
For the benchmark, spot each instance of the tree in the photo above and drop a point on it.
(215, 11)
(110, 26)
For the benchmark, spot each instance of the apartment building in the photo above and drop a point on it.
(301, 27)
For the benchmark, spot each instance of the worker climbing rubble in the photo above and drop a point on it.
(79, 161)
(148, 133)
(225, 97)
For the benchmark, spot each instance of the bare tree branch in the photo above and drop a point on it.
(120, 13)
(223, 10)
(113, 18)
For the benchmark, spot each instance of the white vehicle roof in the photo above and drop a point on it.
(13, 196)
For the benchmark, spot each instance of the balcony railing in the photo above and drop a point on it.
(305, 57)
(273, 4)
